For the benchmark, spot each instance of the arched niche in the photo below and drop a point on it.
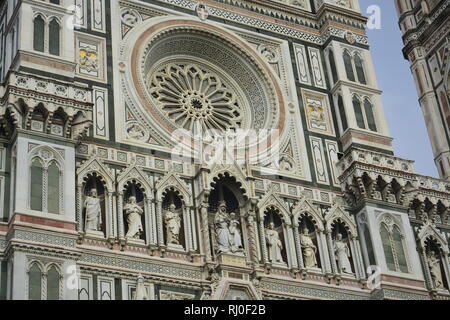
(273, 221)
(343, 248)
(436, 264)
(226, 208)
(171, 189)
(310, 242)
(173, 218)
(134, 208)
(94, 186)
(93, 174)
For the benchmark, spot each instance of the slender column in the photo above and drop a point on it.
(355, 258)
(322, 252)
(79, 208)
(426, 269)
(45, 190)
(109, 215)
(289, 240)
(205, 230)
(252, 236)
(298, 247)
(334, 267)
(362, 268)
(187, 227)
(120, 221)
(159, 222)
(148, 235)
(153, 224)
(446, 266)
(262, 237)
(192, 221)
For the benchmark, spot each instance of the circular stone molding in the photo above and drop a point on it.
(185, 71)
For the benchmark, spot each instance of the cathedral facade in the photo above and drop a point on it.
(426, 35)
(195, 150)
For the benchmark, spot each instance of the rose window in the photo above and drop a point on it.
(188, 94)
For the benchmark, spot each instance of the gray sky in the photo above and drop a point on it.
(405, 120)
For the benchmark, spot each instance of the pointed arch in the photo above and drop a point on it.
(305, 208)
(95, 165)
(429, 231)
(39, 33)
(337, 214)
(172, 181)
(136, 175)
(271, 200)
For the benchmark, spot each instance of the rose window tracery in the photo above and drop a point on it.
(188, 94)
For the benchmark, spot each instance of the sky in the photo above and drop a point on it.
(403, 113)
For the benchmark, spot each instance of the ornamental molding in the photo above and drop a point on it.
(416, 34)
(127, 275)
(299, 23)
(140, 265)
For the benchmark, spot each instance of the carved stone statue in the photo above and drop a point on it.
(141, 291)
(93, 211)
(228, 237)
(435, 269)
(342, 254)
(173, 225)
(235, 234)
(309, 250)
(134, 219)
(274, 244)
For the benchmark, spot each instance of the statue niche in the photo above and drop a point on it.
(173, 220)
(434, 262)
(274, 234)
(225, 219)
(133, 211)
(341, 249)
(228, 234)
(308, 242)
(94, 206)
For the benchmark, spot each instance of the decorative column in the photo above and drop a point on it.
(426, 268)
(322, 249)
(120, 222)
(362, 268)
(251, 220)
(205, 230)
(334, 267)
(109, 215)
(159, 223)
(262, 239)
(445, 263)
(193, 228)
(298, 247)
(188, 229)
(291, 251)
(147, 204)
(45, 190)
(79, 208)
(152, 223)
(355, 258)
